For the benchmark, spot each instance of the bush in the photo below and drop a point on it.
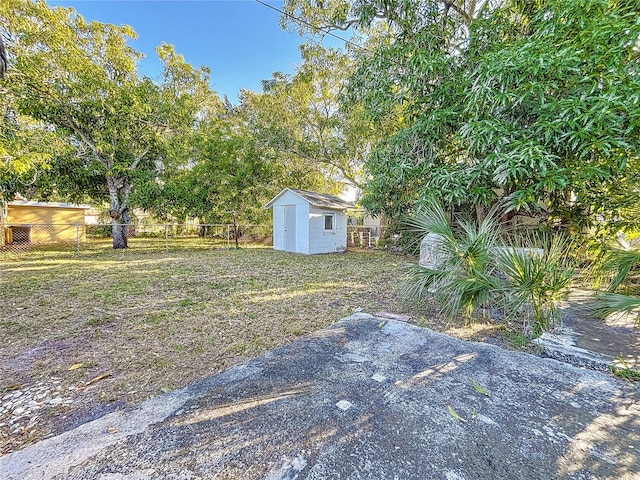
(463, 282)
(534, 284)
(480, 270)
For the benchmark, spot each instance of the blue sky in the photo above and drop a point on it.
(239, 40)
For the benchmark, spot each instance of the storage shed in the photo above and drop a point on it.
(309, 222)
(27, 222)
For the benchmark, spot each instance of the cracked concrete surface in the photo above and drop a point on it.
(356, 401)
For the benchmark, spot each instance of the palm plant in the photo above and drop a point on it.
(462, 282)
(535, 283)
(621, 262)
(610, 303)
(476, 269)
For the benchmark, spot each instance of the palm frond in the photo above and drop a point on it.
(421, 283)
(610, 303)
(462, 282)
(621, 262)
(535, 282)
(430, 218)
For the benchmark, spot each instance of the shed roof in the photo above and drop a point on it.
(320, 200)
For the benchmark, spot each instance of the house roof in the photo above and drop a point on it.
(29, 203)
(320, 200)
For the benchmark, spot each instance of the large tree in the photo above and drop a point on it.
(301, 116)
(322, 16)
(26, 145)
(553, 110)
(81, 79)
(228, 173)
(531, 103)
(28, 148)
(414, 41)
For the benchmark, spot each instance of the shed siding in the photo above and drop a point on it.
(310, 236)
(302, 228)
(326, 242)
(63, 222)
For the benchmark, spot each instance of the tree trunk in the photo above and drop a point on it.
(119, 190)
(4, 64)
(126, 225)
(118, 233)
(481, 214)
(235, 228)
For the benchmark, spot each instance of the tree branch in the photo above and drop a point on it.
(460, 11)
(4, 63)
(138, 158)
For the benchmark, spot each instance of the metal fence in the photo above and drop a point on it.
(17, 240)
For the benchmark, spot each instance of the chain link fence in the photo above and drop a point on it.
(19, 240)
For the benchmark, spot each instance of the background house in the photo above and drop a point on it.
(27, 222)
(309, 222)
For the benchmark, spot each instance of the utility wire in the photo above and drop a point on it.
(325, 31)
(313, 28)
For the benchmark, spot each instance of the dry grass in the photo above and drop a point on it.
(159, 321)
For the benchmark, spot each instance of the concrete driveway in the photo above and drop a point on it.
(364, 400)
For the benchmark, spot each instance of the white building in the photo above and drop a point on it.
(309, 222)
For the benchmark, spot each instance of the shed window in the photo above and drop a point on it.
(328, 222)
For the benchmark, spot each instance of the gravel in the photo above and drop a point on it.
(21, 409)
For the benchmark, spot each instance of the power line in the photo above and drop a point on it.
(313, 28)
(325, 31)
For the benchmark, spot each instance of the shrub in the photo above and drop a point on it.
(479, 270)
(534, 284)
(463, 282)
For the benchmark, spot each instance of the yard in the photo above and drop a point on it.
(105, 331)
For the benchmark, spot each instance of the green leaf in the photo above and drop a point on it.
(455, 415)
(480, 389)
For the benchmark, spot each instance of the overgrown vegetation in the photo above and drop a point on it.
(476, 270)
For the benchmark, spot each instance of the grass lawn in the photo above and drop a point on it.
(144, 323)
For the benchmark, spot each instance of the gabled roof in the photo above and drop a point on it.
(320, 200)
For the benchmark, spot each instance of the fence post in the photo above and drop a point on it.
(78, 239)
(166, 238)
(228, 236)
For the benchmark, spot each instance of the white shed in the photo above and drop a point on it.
(309, 222)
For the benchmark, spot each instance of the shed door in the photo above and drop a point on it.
(290, 228)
